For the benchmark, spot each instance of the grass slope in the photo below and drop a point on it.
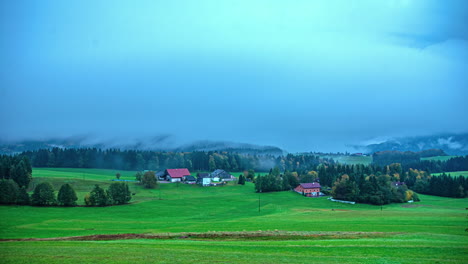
(454, 173)
(437, 158)
(427, 232)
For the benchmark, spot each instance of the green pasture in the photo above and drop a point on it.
(439, 158)
(429, 231)
(454, 173)
(421, 248)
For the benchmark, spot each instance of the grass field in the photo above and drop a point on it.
(441, 158)
(454, 173)
(431, 231)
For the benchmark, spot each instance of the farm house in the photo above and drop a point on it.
(309, 189)
(176, 175)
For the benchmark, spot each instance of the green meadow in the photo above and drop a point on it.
(437, 158)
(430, 231)
(454, 173)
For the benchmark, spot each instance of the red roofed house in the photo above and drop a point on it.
(175, 175)
(309, 189)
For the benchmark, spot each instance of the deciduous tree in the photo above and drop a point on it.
(67, 195)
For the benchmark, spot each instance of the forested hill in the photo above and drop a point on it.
(158, 160)
(452, 144)
(158, 143)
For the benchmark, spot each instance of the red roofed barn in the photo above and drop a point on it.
(309, 189)
(175, 175)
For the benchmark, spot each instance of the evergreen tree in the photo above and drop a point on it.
(23, 197)
(97, 197)
(241, 180)
(67, 195)
(43, 195)
(8, 192)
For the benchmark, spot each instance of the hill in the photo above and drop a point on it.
(156, 143)
(452, 144)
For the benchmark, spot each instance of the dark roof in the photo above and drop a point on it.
(190, 178)
(178, 173)
(203, 175)
(310, 185)
(160, 173)
(221, 174)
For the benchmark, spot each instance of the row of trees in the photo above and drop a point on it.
(442, 185)
(413, 160)
(376, 189)
(368, 184)
(275, 181)
(17, 168)
(44, 195)
(117, 193)
(154, 160)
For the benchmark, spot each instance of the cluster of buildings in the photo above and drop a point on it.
(217, 177)
(220, 177)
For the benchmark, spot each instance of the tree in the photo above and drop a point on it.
(117, 175)
(43, 195)
(97, 197)
(211, 163)
(119, 193)
(67, 195)
(138, 176)
(241, 180)
(21, 173)
(345, 189)
(149, 180)
(23, 197)
(250, 174)
(8, 192)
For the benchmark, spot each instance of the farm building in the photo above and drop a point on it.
(176, 175)
(189, 179)
(204, 179)
(309, 189)
(222, 175)
(161, 175)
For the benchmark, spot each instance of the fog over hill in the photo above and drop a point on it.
(450, 143)
(155, 143)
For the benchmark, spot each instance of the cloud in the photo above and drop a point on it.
(449, 143)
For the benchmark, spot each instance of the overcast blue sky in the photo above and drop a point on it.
(302, 75)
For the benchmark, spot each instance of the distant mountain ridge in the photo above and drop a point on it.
(452, 144)
(157, 143)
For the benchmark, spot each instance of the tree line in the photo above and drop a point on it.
(157, 160)
(17, 168)
(370, 184)
(44, 195)
(413, 160)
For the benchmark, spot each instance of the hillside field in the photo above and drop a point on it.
(437, 158)
(430, 231)
(454, 173)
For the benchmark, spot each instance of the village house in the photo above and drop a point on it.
(309, 189)
(176, 175)
(189, 179)
(221, 175)
(204, 179)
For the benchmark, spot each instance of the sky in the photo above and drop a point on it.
(301, 75)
